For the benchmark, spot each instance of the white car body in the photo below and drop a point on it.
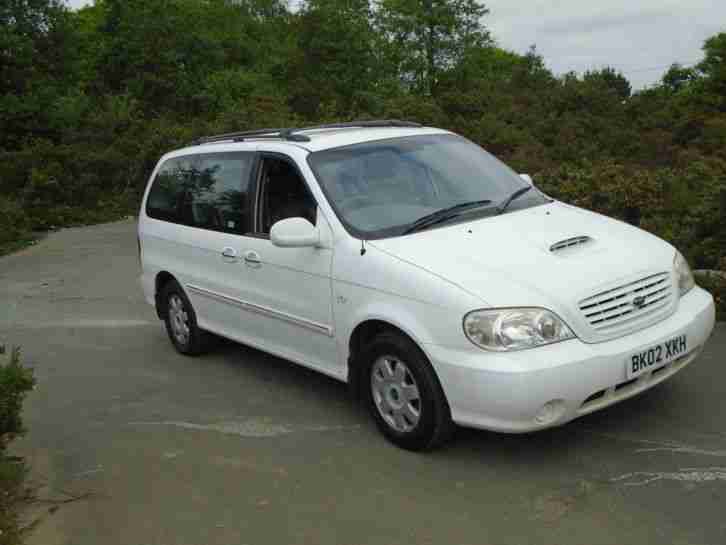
(304, 304)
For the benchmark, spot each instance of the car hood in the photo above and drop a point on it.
(509, 261)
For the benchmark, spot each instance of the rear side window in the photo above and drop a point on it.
(209, 191)
(166, 191)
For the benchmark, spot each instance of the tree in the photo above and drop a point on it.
(163, 52)
(713, 68)
(611, 79)
(678, 77)
(37, 64)
(426, 37)
(335, 64)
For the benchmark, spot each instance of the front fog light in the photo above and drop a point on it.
(514, 328)
(550, 412)
(683, 274)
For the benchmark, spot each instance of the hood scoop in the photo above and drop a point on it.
(569, 243)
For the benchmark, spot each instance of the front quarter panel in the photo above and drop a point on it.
(378, 286)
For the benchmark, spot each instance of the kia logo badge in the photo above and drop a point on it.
(639, 301)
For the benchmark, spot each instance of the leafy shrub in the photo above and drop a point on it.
(685, 205)
(717, 286)
(12, 475)
(15, 382)
(13, 225)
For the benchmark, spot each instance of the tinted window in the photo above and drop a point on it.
(283, 194)
(221, 201)
(209, 192)
(165, 195)
(380, 188)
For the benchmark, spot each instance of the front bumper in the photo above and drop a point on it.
(548, 386)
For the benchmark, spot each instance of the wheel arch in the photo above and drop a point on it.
(364, 332)
(162, 279)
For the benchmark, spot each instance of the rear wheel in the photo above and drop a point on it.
(181, 322)
(403, 393)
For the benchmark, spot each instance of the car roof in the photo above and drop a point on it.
(322, 139)
(317, 139)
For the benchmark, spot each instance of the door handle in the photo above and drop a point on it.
(252, 258)
(229, 253)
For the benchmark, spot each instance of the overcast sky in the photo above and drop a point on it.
(639, 37)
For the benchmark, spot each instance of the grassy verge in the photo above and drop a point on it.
(12, 494)
(21, 225)
(15, 382)
(15, 232)
(17, 245)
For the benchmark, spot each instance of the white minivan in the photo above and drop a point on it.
(413, 265)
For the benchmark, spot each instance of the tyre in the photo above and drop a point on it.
(181, 322)
(403, 393)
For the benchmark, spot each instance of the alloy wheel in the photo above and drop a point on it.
(395, 393)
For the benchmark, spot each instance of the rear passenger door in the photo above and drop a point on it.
(200, 208)
(218, 208)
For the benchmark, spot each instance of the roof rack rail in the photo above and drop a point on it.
(237, 136)
(292, 133)
(364, 123)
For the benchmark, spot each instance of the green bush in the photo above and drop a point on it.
(14, 230)
(15, 382)
(12, 476)
(683, 205)
(717, 286)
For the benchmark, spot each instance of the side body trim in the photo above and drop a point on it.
(265, 311)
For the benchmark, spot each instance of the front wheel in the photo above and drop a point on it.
(404, 395)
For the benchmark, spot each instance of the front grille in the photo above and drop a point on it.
(629, 304)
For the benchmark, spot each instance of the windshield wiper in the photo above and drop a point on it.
(443, 215)
(506, 202)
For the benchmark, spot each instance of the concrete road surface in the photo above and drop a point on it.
(239, 447)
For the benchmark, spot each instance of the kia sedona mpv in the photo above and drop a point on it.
(410, 263)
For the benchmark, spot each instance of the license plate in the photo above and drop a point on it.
(656, 356)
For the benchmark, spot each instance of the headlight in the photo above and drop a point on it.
(683, 274)
(514, 328)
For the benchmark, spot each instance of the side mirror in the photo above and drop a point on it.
(294, 233)
(527, 178)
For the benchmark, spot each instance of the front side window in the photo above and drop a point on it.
(379, 189)
(283, 194)
(207, 191)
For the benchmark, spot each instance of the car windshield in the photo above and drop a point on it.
(385, 188)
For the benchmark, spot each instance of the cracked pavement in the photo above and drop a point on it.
(242, 447)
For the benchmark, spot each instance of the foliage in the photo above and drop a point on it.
(609, 80)
(426, 37)
(345, 75)
(14, 231)
(35, 51)
(15, 382)
(12, 475)
(682, 206)
(713, 67)
(717, 286)
(90, 99)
